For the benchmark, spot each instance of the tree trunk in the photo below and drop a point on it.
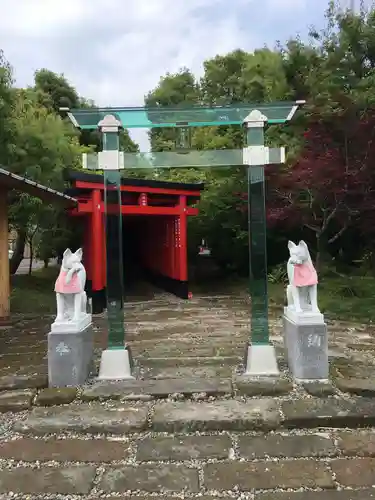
(322, 254)
(31, 256)
(46, 262)
(19, 251)
(318, 258)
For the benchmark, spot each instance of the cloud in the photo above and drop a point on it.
(114, 51)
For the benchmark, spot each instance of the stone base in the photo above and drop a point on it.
(70, 357)
(71, 326)
(261, 360)
(115, 365)
(307, 349)
(304, 318)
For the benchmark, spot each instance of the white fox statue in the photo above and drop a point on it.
(303, 279)
(70, 288)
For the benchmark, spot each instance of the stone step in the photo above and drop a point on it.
(189, 372)
(159, 388)
(144, 447)
(191, 384)
(192, 350)
(188, 416)
(336, 466)
(188, 361)
(85, 419)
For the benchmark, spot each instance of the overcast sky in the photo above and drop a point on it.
(114, 51)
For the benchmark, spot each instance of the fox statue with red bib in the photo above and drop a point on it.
(305, 331)
(303, 279)
(70, 288)
(70, 341)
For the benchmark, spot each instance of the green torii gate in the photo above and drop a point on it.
(260, 357)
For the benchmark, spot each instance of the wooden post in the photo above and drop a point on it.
(176, 234)
(183, 239)
(87, 247)
(97, 243)
(4, 259)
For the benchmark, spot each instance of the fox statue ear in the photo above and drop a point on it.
(291, 245)
(67, 253)
(302, 243)
(79, 253)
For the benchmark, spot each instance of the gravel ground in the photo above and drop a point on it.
(199, 341)
(189, 465)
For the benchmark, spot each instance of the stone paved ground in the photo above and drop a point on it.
(191, 425)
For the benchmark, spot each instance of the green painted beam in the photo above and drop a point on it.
(212, 158)
(198, 116)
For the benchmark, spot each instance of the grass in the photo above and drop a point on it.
(348, 298)
(34, 294)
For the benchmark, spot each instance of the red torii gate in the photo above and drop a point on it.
(160, 210)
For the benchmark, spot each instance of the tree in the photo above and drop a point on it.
(45, 145)
(331, 188)
(55, 234)
(234, 77)
(6, 102)
(179, 89)
(57, 89)
(56, 92)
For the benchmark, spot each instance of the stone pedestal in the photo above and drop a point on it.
(116, 364)
(261, 360)
(70, 356)
(72, 326)
(306, 344)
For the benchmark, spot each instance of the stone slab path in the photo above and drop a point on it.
(184, 449)
(190, 426)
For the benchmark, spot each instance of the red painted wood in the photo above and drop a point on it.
(137, 189)
(173, 248)
(88, 257)
(176, 223)
(163, 239)
(170, 255)
(104, 260)
(97, 241)
(87, 208)
(165, 252)
(183, 239)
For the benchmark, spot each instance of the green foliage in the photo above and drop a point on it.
(44, 145)
(335, 72)
(41, 300)
(340, 297)
(278, 274)
(37, 141)
(235, 77)
(59, 93)
(173, 90)
(6, 102)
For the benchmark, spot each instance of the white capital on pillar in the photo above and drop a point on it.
(109, 124)
(255, 119)
(110, 160)
(255, 155)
